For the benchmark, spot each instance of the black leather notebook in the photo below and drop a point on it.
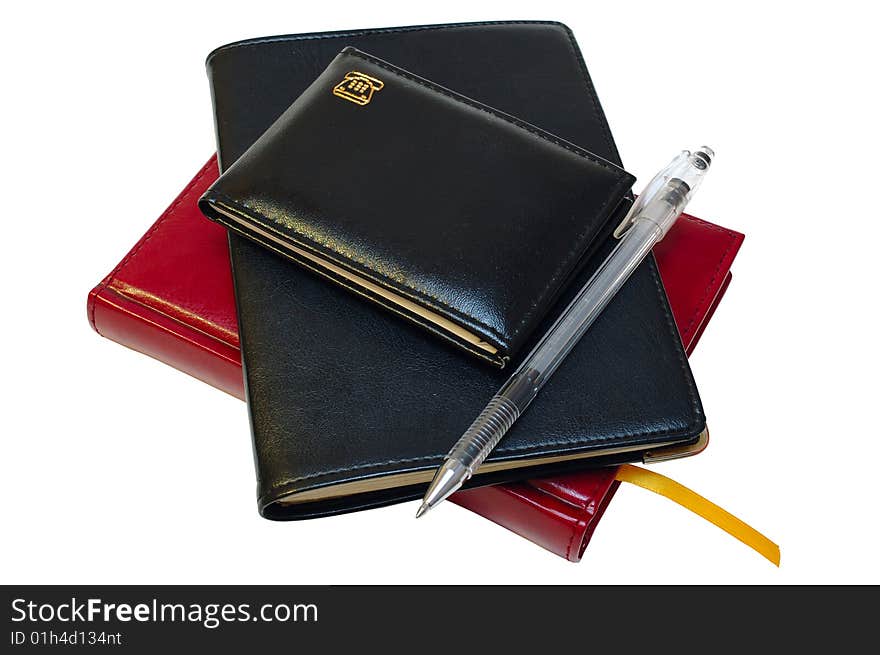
(470, 222)
(354, 407)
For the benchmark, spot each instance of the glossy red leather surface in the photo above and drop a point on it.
(171, 297)
(560, 515)
(694, 260)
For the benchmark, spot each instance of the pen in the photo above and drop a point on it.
(654, 212)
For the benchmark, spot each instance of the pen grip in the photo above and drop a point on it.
(485, 432)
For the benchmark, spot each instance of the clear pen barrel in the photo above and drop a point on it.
(649, 221)
(650, 218)
(518, 392)
(590, 301)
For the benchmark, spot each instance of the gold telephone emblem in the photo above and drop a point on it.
(358, 88)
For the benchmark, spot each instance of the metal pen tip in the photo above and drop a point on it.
(448, 479)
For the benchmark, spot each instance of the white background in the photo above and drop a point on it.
(118, 469)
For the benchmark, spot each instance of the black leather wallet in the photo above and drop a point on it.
(352, 407)
(460, 217)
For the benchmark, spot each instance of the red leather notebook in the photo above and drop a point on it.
(171, 297)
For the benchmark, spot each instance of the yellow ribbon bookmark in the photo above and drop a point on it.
(693, 501)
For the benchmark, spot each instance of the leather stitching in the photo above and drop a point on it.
(410, 292)
(692, 395)
(315, 36)
(421, 295)
(271, 246)
(670, 323)
(187, 190)
(521, 449)
(528, 127)
(572, 44)
(591, 91)
(732, 240)
(679, 347)
(565, 267)
(361, 267)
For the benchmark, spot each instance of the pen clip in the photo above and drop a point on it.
(626, 223)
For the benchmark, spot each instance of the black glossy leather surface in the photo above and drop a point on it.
(337, 389)
(463, 210)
